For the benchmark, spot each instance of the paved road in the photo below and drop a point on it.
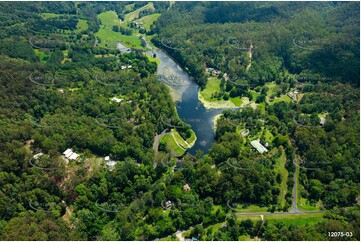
(157, 138)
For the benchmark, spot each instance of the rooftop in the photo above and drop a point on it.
(260, 148)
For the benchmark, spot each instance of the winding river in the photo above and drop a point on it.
(189, 108)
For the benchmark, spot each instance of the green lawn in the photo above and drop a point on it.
(49, 15)
(109, 19)
(305, 205)
(236, 100)
(280, 168)
(283, 98)
(268, 136)
(133, 15)
(172, 145)
(212, 86)
(179, 139)
(82, 25)
(107, 35)
(250, 209)
(272, 89)
(299, 219)
(254, 94)
(192, 139)
(129, 7)
(149, 20)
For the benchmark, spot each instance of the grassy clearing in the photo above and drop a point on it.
(188, 143)
(149, 20)
(214, 228)
(172, 145)
(109, 19)
(268, 136)
(191, 140)
(323, 115)
(82, 25)
(282, 98)
(250, 209)
(254, 94)
(133, 15)
(236, 100)
(299, 219)
(272, 89)
(280, 168)
(107, 35)
(305, 205)
(49, 15)
(179, 139)
(129, 7)
(213, 86)
(254, 218)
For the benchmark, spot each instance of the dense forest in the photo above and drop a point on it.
(59, 90)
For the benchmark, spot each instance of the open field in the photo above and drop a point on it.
(111, 36)
(106, 34)
(149, 20)
(280, 168)
(213, 86)
(133, 15)
(299, 219)
(109, 19)
(82, 25)
(49, 15)
(172, 145)
(282, 98)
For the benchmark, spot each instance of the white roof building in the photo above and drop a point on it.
(118, 100)
(37, 156)
(70, 155)
(111, 164)
(107, 158)
(259, 147)
(67, 153)
(73, 156)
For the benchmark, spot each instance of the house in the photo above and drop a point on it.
(213, 71)
(129, 67)
(291, 95)
(186, 187)
(259, 147)
(117, 100)
(322, 121)
(70, 155)
(37, 156)
(168, 204)
(123, 67)
(111, 165)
